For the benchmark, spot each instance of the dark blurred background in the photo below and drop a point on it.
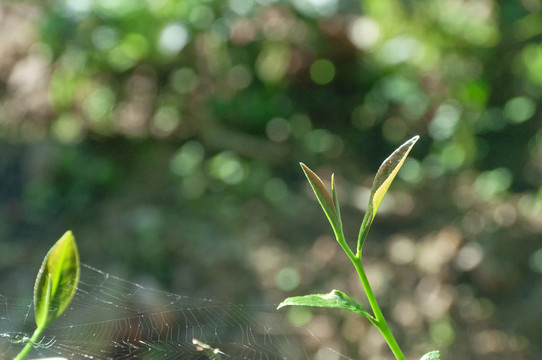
(167, 134)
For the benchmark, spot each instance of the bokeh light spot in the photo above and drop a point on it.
(476, 93)
(469, 257)
(118, 8)
(532, 60)
(193, 186)
(241, 7)
(442, 333)
(299, 315)
(364, 116)
(135, 46)
(406, 313)
(187, 159)
(278, 129)
(492, 119)
(272, 63)
(300, 125)
(400, 49)
(322, 141)
(490, 341)
(166, 120)
(491, 183)
(173, 39)
(239, 77)
(132, 48)
(99, 105)
(67, 128)
(316, 8)
(394, 129)
(453, 156)
(227, 167)
(402, 250)
(433, 167)
(322, 71)
(201, 16)
(414, 105)
(243, 31)
(519, 109)
(78, 8)
(411, 171)
(275, 190)
(364, 32)
(184, 80)
(446, 118)
(105, 38)
(397, 88)
(287, 279)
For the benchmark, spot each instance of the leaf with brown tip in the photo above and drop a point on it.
(322, 194)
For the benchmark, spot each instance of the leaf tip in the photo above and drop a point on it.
(319, 188)
(68, 236)
(305, 168)
(284, 303)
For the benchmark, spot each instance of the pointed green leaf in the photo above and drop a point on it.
(57, 280)
(383, 179)
(386, 173)
(335, 197)
(433, 355)
(335, 299)
(323, 196)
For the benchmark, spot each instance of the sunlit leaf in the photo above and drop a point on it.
(57, 280)
(322, 194)
(335, 299)
(433, 355)
(383, 179)
(386, 173)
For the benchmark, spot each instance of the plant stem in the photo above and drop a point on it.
(380, 323)
(339, 235)
(30, 343)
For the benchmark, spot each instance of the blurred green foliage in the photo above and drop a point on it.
(167, 133)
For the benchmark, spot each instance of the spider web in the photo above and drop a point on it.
(111, 318)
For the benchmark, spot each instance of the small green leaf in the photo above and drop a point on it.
(381, 183)
(433, 355)
(57, 280)
(386, 173)
(324, 197)
(335, 299)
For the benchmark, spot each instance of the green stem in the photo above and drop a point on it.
(30, 343)
(380, 323)
(379, 320)
(339, 235)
